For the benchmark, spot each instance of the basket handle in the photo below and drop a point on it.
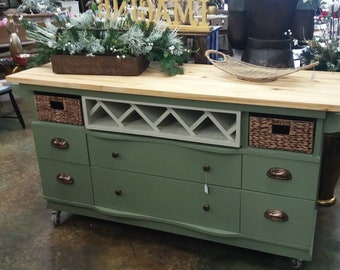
(57, 105)
(208, 52)
(309, 66)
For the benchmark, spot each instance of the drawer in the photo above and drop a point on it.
(59, 108)
(280, 176)
(60, 142)
(66, 181)
(165, 158)
(298, 229)
(282, 133)
(168, 199)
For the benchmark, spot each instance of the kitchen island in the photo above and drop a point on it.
(201, 154)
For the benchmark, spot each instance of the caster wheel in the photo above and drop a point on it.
(56, 220)
(296, 263)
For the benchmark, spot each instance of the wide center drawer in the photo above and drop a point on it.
(168, 199)
(280, 176)
(212, 164)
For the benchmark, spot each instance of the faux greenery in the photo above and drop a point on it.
(327, 52)
(87, 34)
(37, 6)
(324, 47)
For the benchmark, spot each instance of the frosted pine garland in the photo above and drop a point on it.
(87, 34)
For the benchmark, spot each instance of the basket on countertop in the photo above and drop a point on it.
(281, 133)
(58, 108)
(250, 72)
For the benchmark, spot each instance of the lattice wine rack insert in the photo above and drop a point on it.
(219, 127)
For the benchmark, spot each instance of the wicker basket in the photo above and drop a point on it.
(296, 135)
(60, 109)
(250, 72)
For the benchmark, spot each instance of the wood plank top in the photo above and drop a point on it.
(312, 90)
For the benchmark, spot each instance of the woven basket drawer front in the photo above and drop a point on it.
(280, 176)
(295, 135)
(60, 109)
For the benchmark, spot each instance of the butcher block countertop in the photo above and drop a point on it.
(311, 90)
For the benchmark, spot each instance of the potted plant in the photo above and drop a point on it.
(92, 38)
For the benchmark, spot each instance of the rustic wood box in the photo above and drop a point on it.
(98, 65)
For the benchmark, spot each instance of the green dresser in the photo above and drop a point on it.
(236, 194)
(185, 163)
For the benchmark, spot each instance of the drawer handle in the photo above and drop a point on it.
(59, 143)
(279, 173)
(115, 154)
(64, 178)
(206, 207)
(118, 192)
(276, 215)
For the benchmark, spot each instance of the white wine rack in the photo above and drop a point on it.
(219, 127)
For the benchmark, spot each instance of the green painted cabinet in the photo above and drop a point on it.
(200, 154)
(137, 164)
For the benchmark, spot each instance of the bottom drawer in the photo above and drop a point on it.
(166, 198)
(66, 181)
(297, 229)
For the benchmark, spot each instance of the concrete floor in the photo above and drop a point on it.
(28, 240)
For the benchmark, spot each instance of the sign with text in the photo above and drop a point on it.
(184, 15)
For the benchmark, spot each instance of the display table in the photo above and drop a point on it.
(201, 154)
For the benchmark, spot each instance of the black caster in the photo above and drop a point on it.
(59, 217)
(56, 218)
(296, 263)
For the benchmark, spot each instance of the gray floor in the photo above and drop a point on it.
(28, 240)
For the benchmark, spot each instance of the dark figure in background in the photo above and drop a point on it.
(264, 29)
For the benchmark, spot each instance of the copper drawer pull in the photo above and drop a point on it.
(64, 178)
(279, 173)
(276, 215)
(59, 143)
